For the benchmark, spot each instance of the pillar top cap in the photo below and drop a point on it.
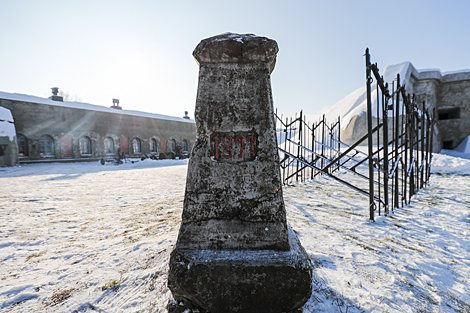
(236, 48)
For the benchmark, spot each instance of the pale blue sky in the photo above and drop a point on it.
(141, 51)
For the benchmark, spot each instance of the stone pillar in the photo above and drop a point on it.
(235, 251)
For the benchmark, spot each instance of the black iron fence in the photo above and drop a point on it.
(397, 160)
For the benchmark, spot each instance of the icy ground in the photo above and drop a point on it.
(84, 237)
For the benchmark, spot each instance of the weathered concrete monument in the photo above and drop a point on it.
(235, 251)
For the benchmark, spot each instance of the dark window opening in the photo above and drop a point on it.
(108, 145)
(172, 143)
(448, 145)
(22, 145)
(153, 145)
(85, 146)
(448, 114)
(136, 145)
(46, 146)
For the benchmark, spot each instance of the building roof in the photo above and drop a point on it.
(88, 106)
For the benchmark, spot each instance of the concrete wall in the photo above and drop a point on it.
(67, 125)
(426, 90)
(451, 96)
(447, 94)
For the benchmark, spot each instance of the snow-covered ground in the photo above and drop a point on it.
(83, 237)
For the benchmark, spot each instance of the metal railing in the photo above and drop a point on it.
(399, 143)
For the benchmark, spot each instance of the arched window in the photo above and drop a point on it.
(108, 145)
(172, 145)
(46, 145)
(136, 145)
(22, 145)
(184, 145)
(85, 145)
(153, 145)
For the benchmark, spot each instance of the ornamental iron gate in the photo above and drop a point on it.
(399, 142)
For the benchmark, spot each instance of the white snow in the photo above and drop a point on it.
(423, 70)
(5, 115)
(455, 72)
(236, 37)
(85, 237)
(356, 102)
(7, 128)
(87, 106)
(464, 146)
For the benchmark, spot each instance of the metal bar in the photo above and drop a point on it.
(351, 147)
(369, 136)
(329, 175)
(433, 120)
(397, 109)
(378, 144)
(412, 128)
(325, 158)
(422, 147)
(385, 148)
(338, 135)
(298, 149)
(322, 140)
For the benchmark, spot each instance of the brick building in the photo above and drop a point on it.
(57, 130)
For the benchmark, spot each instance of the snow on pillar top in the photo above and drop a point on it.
(237, 48)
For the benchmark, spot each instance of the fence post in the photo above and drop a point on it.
(385, 149)
(369, 137)
(397, 126)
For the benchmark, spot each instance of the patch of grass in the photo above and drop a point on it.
(134, 240)
(114, 285)
(34, 255)
(462, 306)
(413, 248)
(390, 248)
(365, 246)
(153, 279)
(405, 281)
(60, 295)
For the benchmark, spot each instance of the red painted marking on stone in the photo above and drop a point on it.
(232, 147)
(227, 147)
(252, 145)
(239, 139)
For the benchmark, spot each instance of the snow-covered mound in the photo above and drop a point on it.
(464, 146)
(356, 103)
(7, 128)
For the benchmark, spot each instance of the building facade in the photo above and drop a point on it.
(446, 94)
(51, 129)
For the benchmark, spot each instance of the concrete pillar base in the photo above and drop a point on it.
(240, 280)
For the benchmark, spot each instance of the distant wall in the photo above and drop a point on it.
(448, 95)
(453, 108)
(80, 133)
